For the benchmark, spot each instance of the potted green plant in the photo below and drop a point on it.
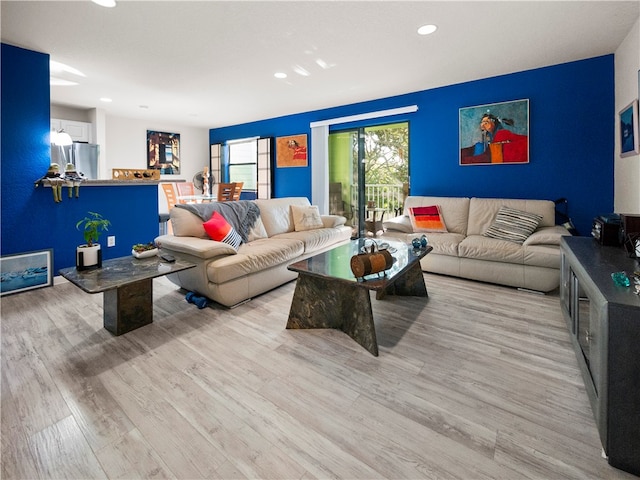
(89, 255)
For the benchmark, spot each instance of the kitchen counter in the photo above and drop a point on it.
(113, 183)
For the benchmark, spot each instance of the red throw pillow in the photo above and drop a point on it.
(427, 219)
(219, 229)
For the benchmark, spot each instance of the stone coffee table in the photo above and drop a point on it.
(328, 295)
(127, 283)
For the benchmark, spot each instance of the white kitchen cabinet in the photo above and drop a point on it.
(79, 131)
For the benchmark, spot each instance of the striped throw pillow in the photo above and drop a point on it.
(219, 229)
(513, 225)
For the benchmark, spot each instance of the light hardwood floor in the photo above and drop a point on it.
(475, 382)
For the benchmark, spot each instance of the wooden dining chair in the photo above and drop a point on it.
(225, 191)
(163, 218)
(237, 190)
(229, 191)
(184, 189)
(170, 194)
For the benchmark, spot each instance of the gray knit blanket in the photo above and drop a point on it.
(241, 214)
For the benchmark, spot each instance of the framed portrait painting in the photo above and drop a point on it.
(629, 130)
(163, 152)
(26, 271)
(495, 134)
(291, 151)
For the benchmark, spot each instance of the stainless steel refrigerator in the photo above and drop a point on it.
(83, 155)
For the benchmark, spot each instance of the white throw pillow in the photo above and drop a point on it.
(306, 218)
(257, 231)
(400, 224)
(332, 221)
(547, 236)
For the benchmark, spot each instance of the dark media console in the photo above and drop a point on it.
(604, 322)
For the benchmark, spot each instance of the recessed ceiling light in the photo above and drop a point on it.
(105, 3)
(280, 75)
(106, 99)
(144, 107)
(324, 65)
(301, 71)
(427, 29)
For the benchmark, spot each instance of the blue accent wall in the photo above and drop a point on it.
(571, 136)
(30, 218)
(571, 152)
(25, 148)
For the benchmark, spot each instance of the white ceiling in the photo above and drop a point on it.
(211, 64)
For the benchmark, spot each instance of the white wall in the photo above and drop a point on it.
(126, 142)
(70, 113)
(123, 143)
(627, 170)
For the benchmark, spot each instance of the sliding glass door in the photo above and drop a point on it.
(368, 175)
(345, 170)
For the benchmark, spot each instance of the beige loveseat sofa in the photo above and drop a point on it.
(230, 277)
(464, 250)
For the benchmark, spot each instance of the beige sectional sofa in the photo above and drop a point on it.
(464, 251)
(230, 277)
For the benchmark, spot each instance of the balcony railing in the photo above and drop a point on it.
(390, 198)
(387, 197)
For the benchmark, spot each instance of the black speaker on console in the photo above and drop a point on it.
(629, 232)
(606, 230)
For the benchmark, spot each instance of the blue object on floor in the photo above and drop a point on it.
(200, 302)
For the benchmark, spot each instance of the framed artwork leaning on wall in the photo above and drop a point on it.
(25, 271)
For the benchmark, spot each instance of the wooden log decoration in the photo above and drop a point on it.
(373, 261)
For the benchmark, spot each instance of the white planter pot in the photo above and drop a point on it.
(91, 256)
(145, 253)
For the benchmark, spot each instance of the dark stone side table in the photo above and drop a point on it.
(127, 283)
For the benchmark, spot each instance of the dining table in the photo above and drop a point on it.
(207, 197)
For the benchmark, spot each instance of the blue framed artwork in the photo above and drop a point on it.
(629, 130)
(26, 271)
(495, 134)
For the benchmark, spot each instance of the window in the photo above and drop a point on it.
(249, 161)
(243, 163)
